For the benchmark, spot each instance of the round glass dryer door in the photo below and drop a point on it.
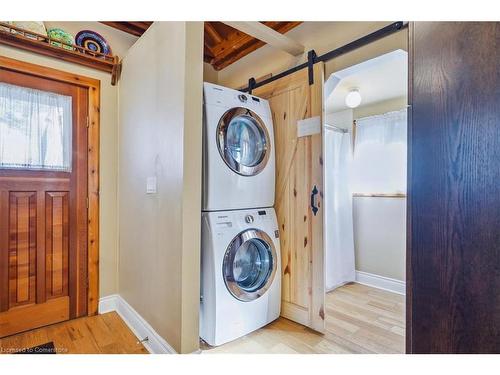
(243, 141)
(249, 265)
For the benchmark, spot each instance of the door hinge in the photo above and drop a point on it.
(88, 121)
(87, 202)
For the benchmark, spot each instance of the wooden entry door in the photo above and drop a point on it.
(299, 180)
(43, 201)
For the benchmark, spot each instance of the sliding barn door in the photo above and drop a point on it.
(454, 188)
(299, 187)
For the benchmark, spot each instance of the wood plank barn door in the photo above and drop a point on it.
(43, 201)
(454, 188)
(299, 182)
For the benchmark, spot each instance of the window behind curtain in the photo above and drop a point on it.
(35, 129)
(379, 164)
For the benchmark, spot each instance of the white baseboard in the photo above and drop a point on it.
(155, 344)
(381, 282)
(108, 304)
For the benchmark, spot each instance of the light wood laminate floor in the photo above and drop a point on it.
(359, 319)
(101, 334)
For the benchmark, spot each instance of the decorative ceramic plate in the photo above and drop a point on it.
(37, 27)
(33, 26)
(93, 41)
(59, 35)
(3, 28)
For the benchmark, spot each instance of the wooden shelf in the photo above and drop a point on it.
(379, 195)
(42, 44)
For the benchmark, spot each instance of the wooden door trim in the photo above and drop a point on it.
(318, 250)
(93, 86)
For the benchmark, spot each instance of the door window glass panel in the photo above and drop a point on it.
(246, 141)
(252, 265)
(35, 129)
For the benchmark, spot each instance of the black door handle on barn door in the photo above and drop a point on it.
(314, 208)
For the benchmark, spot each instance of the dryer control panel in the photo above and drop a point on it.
(226, 97)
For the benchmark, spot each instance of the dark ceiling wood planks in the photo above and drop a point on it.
(223, 45)
(134, 28)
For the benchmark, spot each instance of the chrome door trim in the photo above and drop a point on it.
(227, 266)
(224, 122)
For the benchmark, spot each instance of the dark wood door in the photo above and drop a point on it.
(454, 188)
(43, 211)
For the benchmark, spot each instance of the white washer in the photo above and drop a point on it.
(241, 273)
(238, 154)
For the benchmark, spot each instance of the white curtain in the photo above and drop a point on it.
(380, 154)
(339, 237)
(35, 129)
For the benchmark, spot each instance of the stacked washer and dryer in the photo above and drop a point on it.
(240, 249)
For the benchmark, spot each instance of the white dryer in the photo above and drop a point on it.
(238, 154)
(241, 273)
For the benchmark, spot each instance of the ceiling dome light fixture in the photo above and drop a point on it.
(353, 98)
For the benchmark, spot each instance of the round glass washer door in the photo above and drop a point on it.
(243, 141)
(249, 265)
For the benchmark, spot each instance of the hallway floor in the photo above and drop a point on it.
(359, 319)
(101, 334)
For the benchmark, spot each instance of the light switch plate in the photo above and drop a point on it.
(151, 185)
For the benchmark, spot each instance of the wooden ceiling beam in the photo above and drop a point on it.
(267, 35)
(239, 44)
(210, 30)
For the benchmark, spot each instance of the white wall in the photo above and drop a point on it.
(210, 74)
(380, 236)
(341, 119)
(160, 135)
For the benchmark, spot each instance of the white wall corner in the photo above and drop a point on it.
(155, 344)
(381, 282)
(107, 304)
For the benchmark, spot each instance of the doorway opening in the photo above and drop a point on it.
(364, 135)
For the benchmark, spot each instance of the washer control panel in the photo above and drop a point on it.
(236, 221)
(241, 220)
(254, 217)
